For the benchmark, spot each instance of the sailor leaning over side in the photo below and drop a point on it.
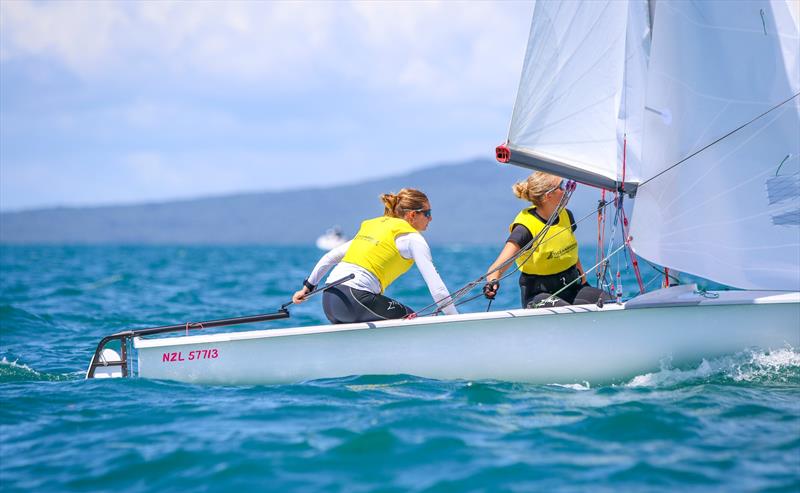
(383, 249)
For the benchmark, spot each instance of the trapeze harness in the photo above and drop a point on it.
(553, 265)
(375, 259)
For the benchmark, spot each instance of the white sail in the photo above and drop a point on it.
(729, 212)
(630, 121)
(572, 109)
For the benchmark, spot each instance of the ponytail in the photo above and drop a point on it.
(407, 199)
(389, 204)
(535, 187)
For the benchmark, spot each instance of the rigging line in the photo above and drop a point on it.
(601, 231)
(593, 212)
(618, 204)
(539, 239)
(509, 273)
(650, 282)
(529, 247)
(711, 167)
(629, 252)
(479, 295)
(554, 295)
(655, 267)
(718, 140)
(533, 244)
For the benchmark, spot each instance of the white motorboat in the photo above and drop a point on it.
(331, 239)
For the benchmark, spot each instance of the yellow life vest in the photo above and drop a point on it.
(557, 251)
(374, 249)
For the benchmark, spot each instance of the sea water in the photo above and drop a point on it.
(730, 424)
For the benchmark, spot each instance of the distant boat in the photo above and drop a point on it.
(331, 239)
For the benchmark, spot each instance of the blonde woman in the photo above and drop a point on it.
(383, 249)
(555, 263)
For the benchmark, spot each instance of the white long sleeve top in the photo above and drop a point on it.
(412, 246)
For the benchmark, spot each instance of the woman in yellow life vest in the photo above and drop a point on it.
(383, 249)
(555, 263)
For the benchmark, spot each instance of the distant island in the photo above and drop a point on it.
(472, 204)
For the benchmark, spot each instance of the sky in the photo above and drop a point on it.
(127, 102)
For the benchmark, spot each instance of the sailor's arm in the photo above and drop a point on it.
(415, 247)
(495, 272)
(324, 265)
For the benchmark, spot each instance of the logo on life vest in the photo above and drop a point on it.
(559, 253)
(368, 239)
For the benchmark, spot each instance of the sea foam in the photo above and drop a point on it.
(776, 366)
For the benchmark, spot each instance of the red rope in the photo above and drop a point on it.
(628, 239)
(634, 260)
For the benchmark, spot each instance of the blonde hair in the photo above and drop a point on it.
(535, 186)
(407, 199)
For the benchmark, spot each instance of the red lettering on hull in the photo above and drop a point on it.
(177, 357)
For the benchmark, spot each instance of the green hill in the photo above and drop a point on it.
(472, 204)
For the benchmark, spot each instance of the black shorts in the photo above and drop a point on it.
(345, 305)
(535, 288)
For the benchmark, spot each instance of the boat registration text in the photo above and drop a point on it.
(191, 356)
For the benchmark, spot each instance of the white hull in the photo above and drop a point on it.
(556, 345)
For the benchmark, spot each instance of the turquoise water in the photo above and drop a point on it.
(731, 424)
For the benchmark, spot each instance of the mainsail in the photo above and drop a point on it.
(581, 92)
(720, 189)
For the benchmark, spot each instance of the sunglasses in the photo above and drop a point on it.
(425, 212)
(562, 185)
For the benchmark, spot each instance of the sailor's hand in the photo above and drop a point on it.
(490, 289)
(300, 296)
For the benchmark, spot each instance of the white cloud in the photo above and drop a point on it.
(169, 99)
(80, 35)
(440, 49)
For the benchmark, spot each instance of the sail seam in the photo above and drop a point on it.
(719, 139)
(711, 198)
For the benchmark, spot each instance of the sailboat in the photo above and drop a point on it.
(690, 107)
